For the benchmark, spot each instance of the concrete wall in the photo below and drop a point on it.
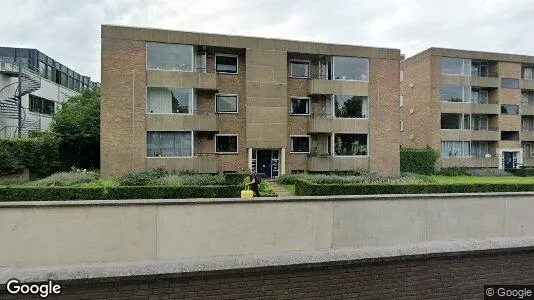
(106, 231)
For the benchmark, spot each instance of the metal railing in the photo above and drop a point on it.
(484, 74)
(332, 116)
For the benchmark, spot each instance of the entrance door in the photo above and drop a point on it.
(265, 161)
(509, 160)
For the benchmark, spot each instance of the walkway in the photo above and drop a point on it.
(279, 189)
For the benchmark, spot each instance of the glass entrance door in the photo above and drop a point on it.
(265, 162)
(510, 160)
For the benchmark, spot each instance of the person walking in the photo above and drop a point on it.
(254, 183)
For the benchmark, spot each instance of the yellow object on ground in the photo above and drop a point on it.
(247, 194)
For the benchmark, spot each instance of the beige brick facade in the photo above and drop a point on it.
(423, 107)
(264, 88)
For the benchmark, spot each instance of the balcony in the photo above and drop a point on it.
(320, 85)
(470, 135)
(526, 84)
(526, 110)
(327, 124)
(490, 80)
(473, 108)
(202, 79)
(526, 136)
(200, 162)
(470, 162)
(201, 120)
(337, 163)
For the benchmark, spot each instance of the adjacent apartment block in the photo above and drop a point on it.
(39, 83)
(215, 103)
(475, 108)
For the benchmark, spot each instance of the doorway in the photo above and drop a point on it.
(510, 160)
(265, 162)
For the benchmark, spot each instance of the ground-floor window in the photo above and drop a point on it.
(346, 144)
(455, 149)
(226, 143)
(479, 148)
(169, 144)
(41, 105)
(528, 150)
(300, 144)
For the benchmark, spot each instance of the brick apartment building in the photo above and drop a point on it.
(475, 108)
(216, 103)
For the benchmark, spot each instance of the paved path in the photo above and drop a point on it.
(279, 189)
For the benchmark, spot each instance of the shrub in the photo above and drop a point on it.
(522, 172)
(142, 177)
(266, 190)
(9, 164)
(455, 171)
(288, 179)
(41, 193)
(198, 179)
(172, 192)
(420, 161)
(67, 179)
(39, 155)
(234, 178)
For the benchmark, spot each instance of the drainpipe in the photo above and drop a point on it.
(19, 128)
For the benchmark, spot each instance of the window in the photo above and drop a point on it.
(480, 68)
(479, 149)
(350, 144)
(350, 68)
(299, 69)
(226, 64)
(401, 125)
(527, 123)
(401, 101)
(50, 73)
(479, 122)
(455, 149)
(200, 62)
(169, 144)
(300, 106)
(169, 100)
(527, 72)
(169, 57)
(226, 144)
(41, 105)
(226, 103)
(510, 83)
(507, 109)
(479, 96)
(528, 150)
(42, 69)
(455, 121)
(509, 135)
(300, 144)
(527, 98)
(350, 106)
(451, 93)
(455, 66)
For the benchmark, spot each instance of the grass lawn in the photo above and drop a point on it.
(481, 179)
(290, 188)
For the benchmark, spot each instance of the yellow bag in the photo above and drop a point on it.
(247, 194)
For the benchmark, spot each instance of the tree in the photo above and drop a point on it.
(77, 125)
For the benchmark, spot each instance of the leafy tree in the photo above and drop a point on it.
(77, 125)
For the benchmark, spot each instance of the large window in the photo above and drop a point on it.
(451, 93)
(350, 144)
(299, 69)
(169, 144)
(455, 121)
(527, 72)
(527, 123)
(455, 66)
(527, 98)
(350, 106)
(226, 103)
(455, 149)
(300, 106)
(509, 135)
(510, 83)
(169, 100)
(170, 57)
(479, 149)
(508, 109)
(226, 64)
(41, 105)
(479, 96)
(350, 68)
(300, 144)
(226, 144)
(480, 68)
(479, 122)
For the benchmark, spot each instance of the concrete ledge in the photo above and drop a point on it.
(299, 199)
(237, 263)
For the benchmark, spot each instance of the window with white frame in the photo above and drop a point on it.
(300, 144)
(169, 144)
(453, 93)
(226, 63)
(455, 149)
(226, 143)
(169, 100)
(479, 95)
(300, 106)
(299, 68)
(348, 144)
(455, 66)
(169, 57)
(455, 121)
(350, 106)
(350, 68)
(528, 72)
(527, 123)
(479, 148)
(528, 150)
(226, 103)
(527, 98)
(479, 122)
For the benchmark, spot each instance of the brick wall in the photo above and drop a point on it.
(435, 276)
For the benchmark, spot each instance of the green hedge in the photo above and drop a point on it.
(38, 193)
(522, 172)
(234, 178)
(40, 155)
(420, 161)
(306, 188)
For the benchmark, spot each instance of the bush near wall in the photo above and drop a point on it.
(521, 172)
(40, 193)
(419, 161)
(307, 188)
(39, 154)
(234, 178)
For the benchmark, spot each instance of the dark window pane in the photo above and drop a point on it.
(226, 143)
(350, 106)
(226, 64)
(35, 104)
(453, 93)
(300, 106)
(300, 144)
(510, 83)
(509, 135)
(226, 103)
(299, 69)
(48, 107)
(350, 144)
(507, 109)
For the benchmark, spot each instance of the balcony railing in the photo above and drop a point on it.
(484, 74)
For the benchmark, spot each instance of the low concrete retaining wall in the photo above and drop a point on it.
(435, 270)
(59, 233)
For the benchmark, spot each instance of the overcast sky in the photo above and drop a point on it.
(69, 30)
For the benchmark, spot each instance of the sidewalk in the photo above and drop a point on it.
(279, 189)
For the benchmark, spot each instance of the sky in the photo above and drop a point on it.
(69, 30)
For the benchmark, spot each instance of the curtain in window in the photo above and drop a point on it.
(527, 73)
(169, 144)
(455, 149)
(479, 149)
(159, 100)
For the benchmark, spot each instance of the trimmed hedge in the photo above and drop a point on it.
(306, 188)
(522, 172)
(40, 193)
(420, 161)
(234, 178)
(40, 155)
